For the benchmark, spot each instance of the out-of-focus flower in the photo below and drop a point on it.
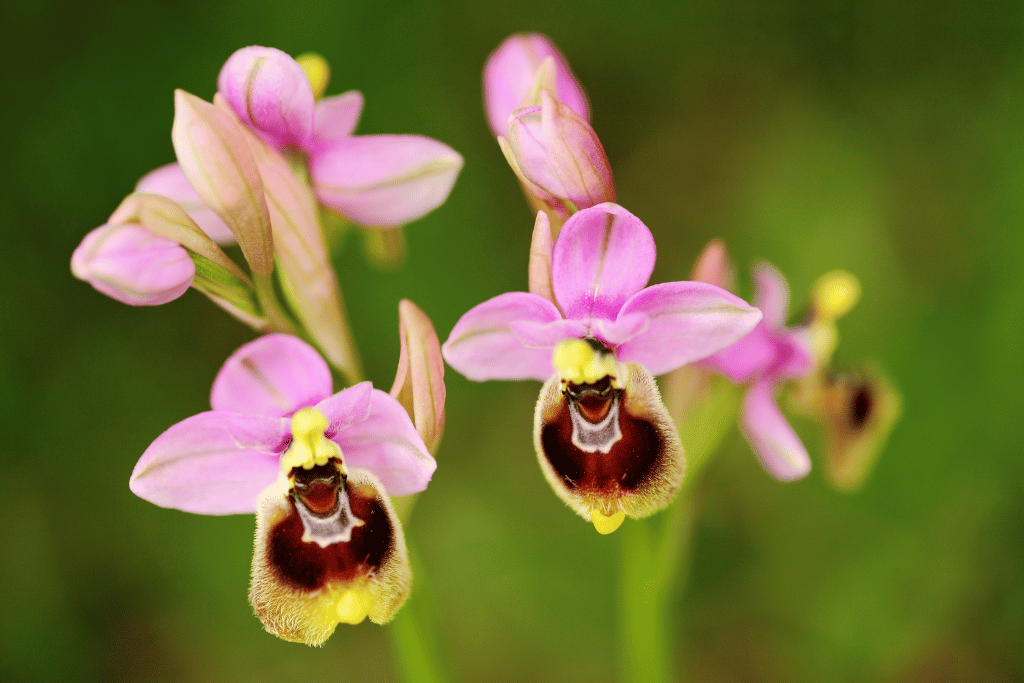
(558, 157)
(511, 71)
(129, 263)
(765, 358)
(603, 437)
(316, 468)
(419, 381)
(857, 410)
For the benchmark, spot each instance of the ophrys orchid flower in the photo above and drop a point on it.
(317, 470)
(768, 356)
(595, 335)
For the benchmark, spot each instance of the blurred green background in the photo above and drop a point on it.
(886, 139)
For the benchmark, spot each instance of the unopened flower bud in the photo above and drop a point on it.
(216, 160)
(169, 181)
(271, 93)
(419, 381)
(510, 73)
(713, 266)
(556, 151)
(128, 263)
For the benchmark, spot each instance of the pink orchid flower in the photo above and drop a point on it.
(373, 180)
(768, 356)
(316, 468)
(602, 434)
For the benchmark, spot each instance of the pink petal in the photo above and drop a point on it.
(748, 358)
(346, 407)
(771, 295)
(384, 180)
(170, 181)
(336, 117)
(274, 375)
(686, 321)
(387, 444)
(509, 74)
(270, 92)
(774, 442)
(603, 256)
(483, 346)
(535, 335)
(128, 263)
(214, 463)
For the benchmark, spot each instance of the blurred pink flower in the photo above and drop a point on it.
(769, 355)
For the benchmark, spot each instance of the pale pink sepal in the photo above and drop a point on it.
(483, 346)
(540, 258)
(274, 375)
(128, 263)
(509, 74)
(557, 150)
(214, 463)
(270, 92)
(419, 380)
(771, 295)
(686, 321)
(336, 117)
(770, 436)
(215, 158)
(387, 444)
(384, 180)
(603, 256)
(170, 182)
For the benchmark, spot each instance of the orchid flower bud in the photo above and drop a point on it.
(215, 158)
(511, 71)
(713, 266)
(271, 93)
(384, 180)
(558, 156)
(129, 263)
(419, 382)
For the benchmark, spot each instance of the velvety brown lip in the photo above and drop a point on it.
(626, 466)
(307, 566)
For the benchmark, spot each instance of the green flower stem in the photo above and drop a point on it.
(414, 632)
(272, 309)
(656, 552)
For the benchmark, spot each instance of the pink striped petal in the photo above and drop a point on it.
(771, 295)
(483, 346)
(336, 117)
(170, 181)
(384, 180)
(686, 321)
(214, 463)
(274, 375)
(774, 442)
(603, 256)
(387, 444)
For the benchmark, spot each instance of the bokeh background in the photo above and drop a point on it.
(885, 138)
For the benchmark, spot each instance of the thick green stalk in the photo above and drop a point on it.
(414, 632)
